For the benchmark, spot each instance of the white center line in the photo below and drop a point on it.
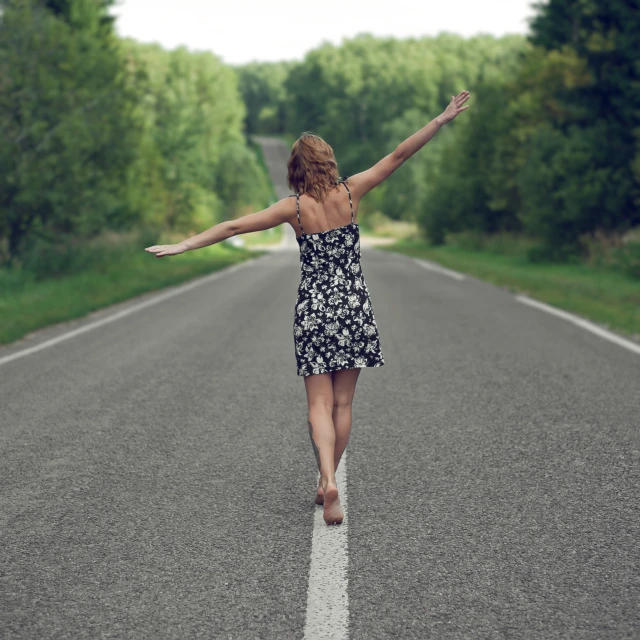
(125, 312)
(581, 322)
(432, 266)
(327, 598)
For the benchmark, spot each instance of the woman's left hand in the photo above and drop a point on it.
(454, 107)
(162, 250)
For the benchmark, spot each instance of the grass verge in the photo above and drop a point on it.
(606, 297)
(27, 303)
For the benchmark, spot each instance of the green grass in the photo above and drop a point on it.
(27, 303)
(606, 297)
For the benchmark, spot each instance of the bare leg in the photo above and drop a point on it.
(323, 439)
(344, 387)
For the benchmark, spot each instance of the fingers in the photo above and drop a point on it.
(159, 250)
(459, 100)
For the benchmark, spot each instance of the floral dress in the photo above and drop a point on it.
(333, 327)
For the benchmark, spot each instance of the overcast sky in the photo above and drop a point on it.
(243, 30)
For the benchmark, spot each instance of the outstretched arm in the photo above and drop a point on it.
(366, 180)
(276, 214)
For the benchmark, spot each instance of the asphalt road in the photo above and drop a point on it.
(157, 479)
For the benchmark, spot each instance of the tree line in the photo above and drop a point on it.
(101, 133)
(550, 147)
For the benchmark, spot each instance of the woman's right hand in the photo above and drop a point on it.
(454, 107)
(162, 250)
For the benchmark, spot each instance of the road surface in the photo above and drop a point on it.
(157, 479)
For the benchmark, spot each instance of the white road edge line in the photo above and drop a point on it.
(125, 312)
(432, 266)
(327, 598)
(585, 324)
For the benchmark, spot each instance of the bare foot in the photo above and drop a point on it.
(333, 513)
(319, 493)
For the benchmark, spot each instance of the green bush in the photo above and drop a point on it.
(626, 259)
(469, 240)
(69, 254)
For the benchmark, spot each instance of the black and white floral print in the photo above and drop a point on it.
(334, 327)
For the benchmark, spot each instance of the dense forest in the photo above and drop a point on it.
(549, 148)
(101, 133)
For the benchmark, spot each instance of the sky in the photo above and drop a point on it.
(240, 31)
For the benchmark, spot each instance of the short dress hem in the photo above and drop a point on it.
(349, 366)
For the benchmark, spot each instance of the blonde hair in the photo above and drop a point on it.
(312, 167)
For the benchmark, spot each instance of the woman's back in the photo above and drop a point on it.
(333, 213)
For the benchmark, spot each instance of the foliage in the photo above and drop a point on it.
(98, 133)
(550, 146)
(67, 126)
(262, 88)
(555, 141)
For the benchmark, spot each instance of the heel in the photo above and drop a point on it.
(333, 513)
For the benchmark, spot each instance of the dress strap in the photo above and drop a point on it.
(298, 211)
(349, 192)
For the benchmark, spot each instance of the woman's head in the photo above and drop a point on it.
(312, 167)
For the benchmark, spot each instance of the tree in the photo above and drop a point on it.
(604, 34)
(66, 121)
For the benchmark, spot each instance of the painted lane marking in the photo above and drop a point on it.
(327, 598)
(126, 312)
(432, 266)
(585, 324)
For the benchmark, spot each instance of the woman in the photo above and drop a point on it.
(335, 333)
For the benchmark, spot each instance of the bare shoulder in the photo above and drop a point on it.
(282, 211)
